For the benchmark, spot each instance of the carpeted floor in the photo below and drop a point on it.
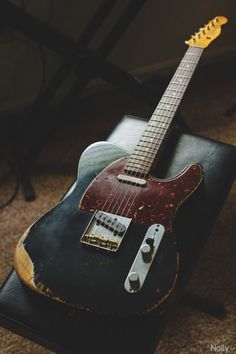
(189, 331)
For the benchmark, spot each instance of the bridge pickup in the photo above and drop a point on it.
(132, 180)
(105, 231)
(110, 223)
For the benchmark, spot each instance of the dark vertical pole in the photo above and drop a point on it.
(43, 99)
(99, 65)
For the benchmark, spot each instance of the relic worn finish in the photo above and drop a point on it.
(64, 269)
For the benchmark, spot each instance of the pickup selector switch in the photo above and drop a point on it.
(146, 251)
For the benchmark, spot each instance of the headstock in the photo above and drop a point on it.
(208, 33)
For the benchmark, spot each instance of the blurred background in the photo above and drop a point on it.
(54, 103)
(153, 42)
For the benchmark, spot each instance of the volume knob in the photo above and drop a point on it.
(134, 281)
(146, 252)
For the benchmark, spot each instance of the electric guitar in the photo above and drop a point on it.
(108, 246)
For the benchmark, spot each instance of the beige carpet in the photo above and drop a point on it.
(189, 331)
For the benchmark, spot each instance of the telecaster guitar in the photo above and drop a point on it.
(108, 247)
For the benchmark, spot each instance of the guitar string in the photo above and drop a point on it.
(173, 100)
(155, 136)
(180, 70)
(193, 52)
(158, 134)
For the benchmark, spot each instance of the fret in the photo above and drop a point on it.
(178, 91)
(147, 146)
(192, 57)
(152, 133)
(192, 54)
(189, 62)
(147, 141)
(182, 77)
(166, 96)
(137, 165)
(188, 73)
(143, 150)
(185, 68)
(152, 145)
(155, 128)
(167, 104)
(139, 158)
(159, 115)
(156, 134)
(162, 121)
(175, 94)
(164, 109)
(178, 83)
(159, 125)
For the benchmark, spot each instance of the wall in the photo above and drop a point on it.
(155, 40)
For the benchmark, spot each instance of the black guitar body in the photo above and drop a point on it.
(58, 265)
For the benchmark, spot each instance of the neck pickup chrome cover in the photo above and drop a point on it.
(144, 258)
(132, 180)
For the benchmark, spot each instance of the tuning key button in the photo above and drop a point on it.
(146, 251)
(134, 281)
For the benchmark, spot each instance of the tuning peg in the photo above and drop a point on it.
(212, 22)
(217, 20)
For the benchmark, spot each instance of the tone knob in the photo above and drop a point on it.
(134, 281)
(146, 251)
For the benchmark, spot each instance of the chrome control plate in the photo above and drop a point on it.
(144, 258)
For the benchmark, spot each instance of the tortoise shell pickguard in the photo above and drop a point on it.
(156, 202)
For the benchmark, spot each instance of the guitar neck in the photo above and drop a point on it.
(141, 160)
